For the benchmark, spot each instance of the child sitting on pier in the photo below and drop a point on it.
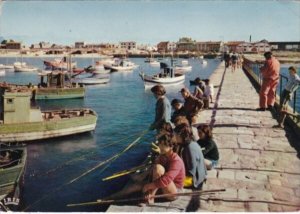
(168, 172)
(166, 175)
(178, 109)
(192, 156)
(208, 145)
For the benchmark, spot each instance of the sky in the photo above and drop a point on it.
(149, 21)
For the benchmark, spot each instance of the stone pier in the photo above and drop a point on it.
(258, 167)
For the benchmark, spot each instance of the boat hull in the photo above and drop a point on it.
(59, 93)
(47, 129)
(151, 80)
(11, 177)
(25, 69)
(92, 81)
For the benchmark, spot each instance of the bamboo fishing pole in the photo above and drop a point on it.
(99, 202)
(125, 172)
(111, 158)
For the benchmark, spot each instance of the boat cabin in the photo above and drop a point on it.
(166, 71)
(53, 79)
(16, 107)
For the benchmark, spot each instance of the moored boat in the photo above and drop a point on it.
(121, 65)
(23, 67)
(12, 165)
(166, 76)
(59, 64)
(57, 85)
(94, 79)
(19, 122)
(8, 67)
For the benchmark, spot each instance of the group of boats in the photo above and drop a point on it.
(22, 123)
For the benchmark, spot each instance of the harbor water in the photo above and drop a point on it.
(125, 110)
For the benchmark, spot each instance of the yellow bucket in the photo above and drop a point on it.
(188, 181)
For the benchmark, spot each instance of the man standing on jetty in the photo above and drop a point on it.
(270, 74)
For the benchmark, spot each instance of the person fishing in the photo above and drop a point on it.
(166, 175)
(162, 109)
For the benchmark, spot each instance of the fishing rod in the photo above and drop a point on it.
(126, 172)
(99, 201)
(111, 158)
(75, 179)
(81, 157)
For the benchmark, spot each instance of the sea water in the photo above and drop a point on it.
(125, 109)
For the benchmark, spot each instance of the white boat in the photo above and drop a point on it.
(2, 72)
(183, 68)
(184, 62)
(99, 68)
(23, 67)
(166, 77)
(95, 79)
(204, 62)
(122, 65)
(2, 66)
(154, 62)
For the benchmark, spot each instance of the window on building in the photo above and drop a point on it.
(10, 101)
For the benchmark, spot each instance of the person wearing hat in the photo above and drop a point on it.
(192, 105)
(162, 109)
(178, 109)
(270, 75)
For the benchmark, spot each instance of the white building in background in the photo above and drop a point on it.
(261, 47)
(244, 47)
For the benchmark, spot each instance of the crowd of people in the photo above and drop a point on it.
(186, 151)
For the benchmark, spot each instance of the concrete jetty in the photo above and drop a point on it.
(258, 167)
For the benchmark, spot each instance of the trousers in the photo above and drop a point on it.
(267, 93)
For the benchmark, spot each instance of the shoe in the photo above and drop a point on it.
(261, 109)
(278, 126)
(270, 108)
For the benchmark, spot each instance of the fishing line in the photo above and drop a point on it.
(50, 171)
(87, 172)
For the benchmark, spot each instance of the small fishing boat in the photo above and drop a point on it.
(57, 85)
(122, 65)
(94, 79)
(2, 72)
(184, 67)
(203, 62)
(7, 67)
(166, 76)
(59, 64)
(19, 122)
(154, 62)
(23, 67)
(100, 69)
(12, 165)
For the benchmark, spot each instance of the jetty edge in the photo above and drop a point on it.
(258, 167)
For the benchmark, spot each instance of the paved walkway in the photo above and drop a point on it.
(258, 168)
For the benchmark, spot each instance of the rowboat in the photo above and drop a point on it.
(19, 122)
(166, 76)
(12, 165)
(94, 79)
